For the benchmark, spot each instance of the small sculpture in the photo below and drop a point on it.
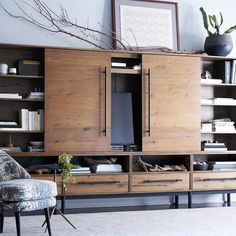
(206, 75)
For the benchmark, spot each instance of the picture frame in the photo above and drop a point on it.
(144, 24)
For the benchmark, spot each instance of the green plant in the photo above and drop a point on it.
(215, 24)
(65, 161)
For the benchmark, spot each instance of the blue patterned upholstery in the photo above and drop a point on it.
(27, 189)
(18, 192)
(10, 169)
(29, 205)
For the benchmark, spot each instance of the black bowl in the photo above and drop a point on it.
(200, 167)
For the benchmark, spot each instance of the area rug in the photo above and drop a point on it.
(177, 222)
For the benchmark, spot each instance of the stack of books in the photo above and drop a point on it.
(10, 95)
(211, 81)
(224, 101)
(118, 65)
(117, 147)
(8, 124)
(32, 120)
(223, 126)
(213, 146)
(36, 95)
(77, 169)
(224, 165)
(106, 168)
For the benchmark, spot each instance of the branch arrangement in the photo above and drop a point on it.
(61, 23)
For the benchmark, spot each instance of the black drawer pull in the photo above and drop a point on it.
(217, 179)
(162, 181)
(99, 182)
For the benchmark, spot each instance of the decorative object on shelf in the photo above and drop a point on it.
(200, 165)
(12, 71)
(216, 43)
(65, 161)
(29, 67)
(146, 23)
(46, 18)
(147, 167)
(206, 75)
(9, 143)
(3, 68)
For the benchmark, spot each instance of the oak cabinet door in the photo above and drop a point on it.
(171, 103)
(77, 100)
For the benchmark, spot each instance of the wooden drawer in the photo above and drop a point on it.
(158, 182)
(214, 180)
(95, 184)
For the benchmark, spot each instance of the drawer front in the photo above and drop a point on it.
(97, 184)
(214, 181)
(158, 182)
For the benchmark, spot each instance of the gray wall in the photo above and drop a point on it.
(192, 33)
(95, 12)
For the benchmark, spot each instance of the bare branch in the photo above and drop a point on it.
(61, 23)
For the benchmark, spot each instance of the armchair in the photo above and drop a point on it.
(18, 192)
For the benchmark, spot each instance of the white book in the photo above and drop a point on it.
(31, 120)
(8, 123)
(10, 95)
(24, 119)
(211, 81)
(233, 72)
(118, 64)
(41, 119)
(215, 149)
(11, 129)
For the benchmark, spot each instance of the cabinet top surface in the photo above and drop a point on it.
(117, 51)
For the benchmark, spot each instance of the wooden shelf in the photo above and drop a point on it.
(22, 99)
(218, 105)
(22, 76)
(125, 71)
(19, 131)
(212, 132)
(218, 85)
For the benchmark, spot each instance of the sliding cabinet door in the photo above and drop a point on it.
(77, 100)
(171, 103)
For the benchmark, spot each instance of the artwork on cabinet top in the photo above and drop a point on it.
(142, 24)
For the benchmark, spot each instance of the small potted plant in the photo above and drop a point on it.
(66, 166)
(217, 43)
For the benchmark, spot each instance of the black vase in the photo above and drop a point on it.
(218, 45)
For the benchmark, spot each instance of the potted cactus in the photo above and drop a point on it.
(217, 43)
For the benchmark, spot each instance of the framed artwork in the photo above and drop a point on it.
(145, 24)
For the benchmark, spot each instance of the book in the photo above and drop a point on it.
(222, 70)
(224, 165)
(8, 123)
(105, 168)
(118, 64)
(224, 101)
(211, 81)
(10, 95)
(24, 119)
(233, 72)
(219, 149)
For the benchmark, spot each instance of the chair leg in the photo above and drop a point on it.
(1, 222)
(46, 212)
(17, 217)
